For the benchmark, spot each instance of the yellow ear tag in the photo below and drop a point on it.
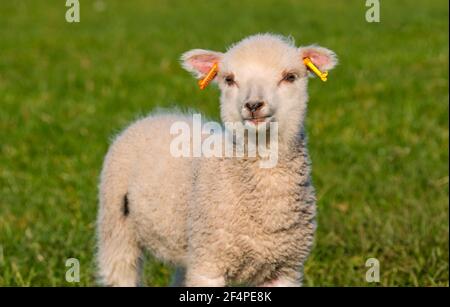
(313, 68)
(203, 83)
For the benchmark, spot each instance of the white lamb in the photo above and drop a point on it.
(220, 221)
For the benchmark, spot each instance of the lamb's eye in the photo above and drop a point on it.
(290, 77)
(229, 80)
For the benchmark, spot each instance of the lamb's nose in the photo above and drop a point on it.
(254, 105)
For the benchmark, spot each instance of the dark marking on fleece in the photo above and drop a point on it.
(125, 208)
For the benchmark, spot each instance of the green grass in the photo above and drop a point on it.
(378, 129)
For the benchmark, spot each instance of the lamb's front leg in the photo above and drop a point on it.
(204, 274)
(292, 279)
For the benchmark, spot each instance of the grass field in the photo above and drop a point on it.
(378, 130)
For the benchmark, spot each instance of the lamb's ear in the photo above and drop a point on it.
(199, 62)
(323, 58)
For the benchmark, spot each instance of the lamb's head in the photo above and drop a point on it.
(262, 78)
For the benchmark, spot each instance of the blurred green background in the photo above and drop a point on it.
(378, 129)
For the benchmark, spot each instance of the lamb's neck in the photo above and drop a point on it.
(277, 191)
(294, 146)
(291, 156)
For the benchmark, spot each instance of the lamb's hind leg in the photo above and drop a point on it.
(119, 255)
(119, 252)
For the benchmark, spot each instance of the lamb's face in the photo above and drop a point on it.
(262, 78)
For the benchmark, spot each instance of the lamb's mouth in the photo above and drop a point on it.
(255, 121)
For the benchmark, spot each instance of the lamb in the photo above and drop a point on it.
(220, 221)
